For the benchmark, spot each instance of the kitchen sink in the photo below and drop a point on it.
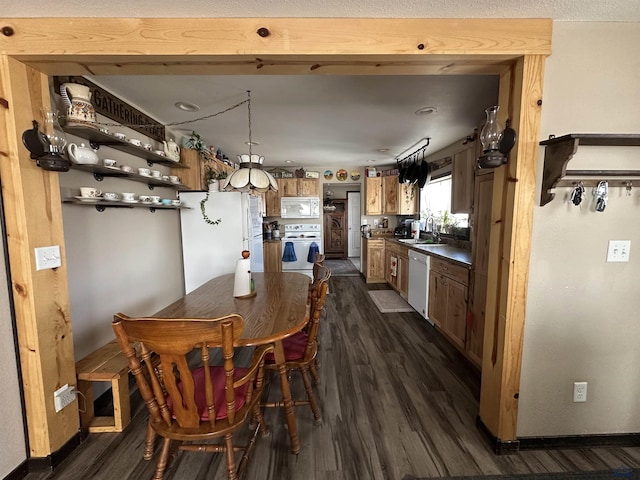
(421, 241)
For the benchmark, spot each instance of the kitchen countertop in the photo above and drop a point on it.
(455, 254)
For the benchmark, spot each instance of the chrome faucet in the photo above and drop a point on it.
(434, 233)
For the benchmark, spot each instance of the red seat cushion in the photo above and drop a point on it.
(217, 378)
(293, 346)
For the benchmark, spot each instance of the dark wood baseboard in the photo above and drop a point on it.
(51, 461)
(19, 472)
(502, 447)
(580, 441)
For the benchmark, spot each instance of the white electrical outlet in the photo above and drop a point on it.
(618, 250)
(64, 396)
(579, 391)
(48, 257)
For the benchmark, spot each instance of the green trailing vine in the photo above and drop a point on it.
(204, 212)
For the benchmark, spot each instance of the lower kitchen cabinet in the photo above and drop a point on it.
(373, 260)
(399, 255)
(272, 251)
(448, 296)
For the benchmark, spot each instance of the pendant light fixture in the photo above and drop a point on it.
(250, 177)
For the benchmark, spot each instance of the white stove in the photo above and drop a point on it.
(299, 244)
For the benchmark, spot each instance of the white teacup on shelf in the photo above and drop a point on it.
(135, 141)
(111, 196)
(126, 168)
(128, 196)
(156, 173)
(107, 162)
(120, 136)
(90, 192)
(174, 179)
(144, 199)
(144, 171)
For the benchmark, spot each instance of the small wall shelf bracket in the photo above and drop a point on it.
(559, 150)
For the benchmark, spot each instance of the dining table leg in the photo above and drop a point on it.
(292, 425)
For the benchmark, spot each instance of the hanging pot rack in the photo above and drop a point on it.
(413, 155)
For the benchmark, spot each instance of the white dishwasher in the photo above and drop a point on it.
(419, 283)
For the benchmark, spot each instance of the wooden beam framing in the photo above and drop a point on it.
(33, 214)
(31, 48)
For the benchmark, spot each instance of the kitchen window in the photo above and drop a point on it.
(435, 200)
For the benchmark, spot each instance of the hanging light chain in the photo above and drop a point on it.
(249, 110)
(172, 124)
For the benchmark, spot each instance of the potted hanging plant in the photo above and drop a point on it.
(213, 178)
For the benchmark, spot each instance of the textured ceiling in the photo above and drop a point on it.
(561, 10)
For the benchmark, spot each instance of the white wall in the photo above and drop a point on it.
(121, 260)
(14, 452)
(582, 313)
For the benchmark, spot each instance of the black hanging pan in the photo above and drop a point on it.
(425, 172)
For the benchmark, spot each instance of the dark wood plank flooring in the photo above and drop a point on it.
(397, 399)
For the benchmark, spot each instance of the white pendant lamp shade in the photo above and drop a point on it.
(250, 177)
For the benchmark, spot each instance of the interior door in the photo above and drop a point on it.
(353, 219)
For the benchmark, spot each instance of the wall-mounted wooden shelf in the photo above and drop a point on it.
(559, 150)
(97, 138)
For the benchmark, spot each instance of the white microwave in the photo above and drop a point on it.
(300, 207)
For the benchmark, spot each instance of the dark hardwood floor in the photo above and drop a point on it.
(397, 399)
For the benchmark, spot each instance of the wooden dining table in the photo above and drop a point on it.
(278, 309)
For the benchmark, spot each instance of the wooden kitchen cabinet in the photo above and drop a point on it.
(272, 251)
(373, 196)
(390, 191)
(408, 199)
(373, 260)
(385, 196)
(448, 296)
(272, 201)
(193, 176)
(308, 187)
(299, 187)
(399, 282)
(462, 179)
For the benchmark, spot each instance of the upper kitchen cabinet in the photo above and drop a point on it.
(408, 199)
(385, 195)
(373, 194)
(195, 178)
(462, 179)
(299, 187)
(272, 201)
(390, 189)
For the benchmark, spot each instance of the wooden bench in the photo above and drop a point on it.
(107, 364)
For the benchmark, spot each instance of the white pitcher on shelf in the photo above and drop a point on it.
(77, 99)
(171, 150)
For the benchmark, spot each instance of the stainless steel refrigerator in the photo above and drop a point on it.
(209, 251)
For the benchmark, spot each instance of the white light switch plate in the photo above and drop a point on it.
(48, 257)
(618, 250)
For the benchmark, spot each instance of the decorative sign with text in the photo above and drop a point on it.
(110, 106)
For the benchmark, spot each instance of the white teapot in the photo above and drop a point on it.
(172, 150)
(82, 154)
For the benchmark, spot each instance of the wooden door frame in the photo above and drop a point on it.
(33, 48)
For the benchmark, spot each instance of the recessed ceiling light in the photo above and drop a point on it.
(426, 110)
(383, 150)
(370, 161)
(252, 144)
(187, 107)
(288, 161)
